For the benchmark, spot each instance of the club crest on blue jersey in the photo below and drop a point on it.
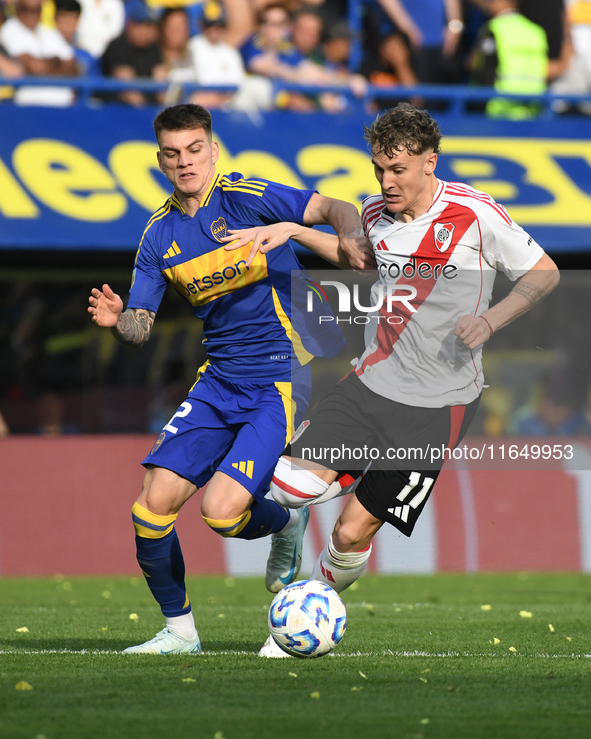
(219, 229)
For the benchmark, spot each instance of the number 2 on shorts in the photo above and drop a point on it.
(183, 411)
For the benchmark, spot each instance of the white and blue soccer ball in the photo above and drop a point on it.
(307, 619)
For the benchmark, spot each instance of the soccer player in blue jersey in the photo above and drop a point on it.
(239, 414)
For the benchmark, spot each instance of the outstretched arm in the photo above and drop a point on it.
(325, 245)
(541, 279)
(131, 327)
(345, 220)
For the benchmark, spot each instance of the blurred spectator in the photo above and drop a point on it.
(174, 45)
(306, 34)
(101, 22)
(577, 77)
(239, 21)
(308, 31)
(136, 53)
(270, 53)
(215, 61)
(512, 56)
(388, 63)
(336, 50)
(557, 409)
(42, 51)
(67, 17)
(10, 69)
(239, 14)
(425, 32)
(336, 46)
(552, 17)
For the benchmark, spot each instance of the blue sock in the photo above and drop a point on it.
(161, 560)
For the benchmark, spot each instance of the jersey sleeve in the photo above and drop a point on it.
(277, 203)
(148, 283)
(506, 246)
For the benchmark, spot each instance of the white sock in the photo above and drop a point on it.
(294, 517)
(182, 625)
(295, 487)
(339, 569)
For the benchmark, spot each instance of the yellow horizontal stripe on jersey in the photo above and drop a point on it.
(254, 187)
(243, 181)
(302, 354)
(250, 191)
(246, 185)
(284, 389)
(216, 273)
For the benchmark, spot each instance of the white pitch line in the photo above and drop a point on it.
(386, 653)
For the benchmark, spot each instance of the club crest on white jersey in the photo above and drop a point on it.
(443, 235)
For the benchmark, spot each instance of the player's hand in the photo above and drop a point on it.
(105, 306)
(472, 331)
(358, 251)
(261, 238)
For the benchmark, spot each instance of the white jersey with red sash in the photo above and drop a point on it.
(432, 271)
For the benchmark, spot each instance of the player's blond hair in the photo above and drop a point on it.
(403, 127)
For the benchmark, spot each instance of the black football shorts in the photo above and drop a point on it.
(399, 449)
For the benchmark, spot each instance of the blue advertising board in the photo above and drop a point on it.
(87, 178)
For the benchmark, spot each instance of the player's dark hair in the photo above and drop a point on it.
(403, 127)
(182, 118)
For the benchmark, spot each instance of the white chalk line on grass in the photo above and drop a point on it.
(385, 653)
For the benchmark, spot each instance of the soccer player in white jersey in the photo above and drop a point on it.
(438, 246)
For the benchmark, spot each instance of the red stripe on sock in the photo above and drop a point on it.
(327, 573)
(290, 490)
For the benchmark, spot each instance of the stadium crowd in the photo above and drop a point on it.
(252, 46)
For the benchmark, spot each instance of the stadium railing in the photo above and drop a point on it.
(456, 99)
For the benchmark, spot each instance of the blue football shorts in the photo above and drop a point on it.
(240, 429)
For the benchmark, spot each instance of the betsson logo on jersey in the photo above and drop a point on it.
(216, 273)
(216, 278)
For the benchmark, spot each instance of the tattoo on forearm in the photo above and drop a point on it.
(532, 293)
(134, 326)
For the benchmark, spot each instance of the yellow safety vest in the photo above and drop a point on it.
(522, 53)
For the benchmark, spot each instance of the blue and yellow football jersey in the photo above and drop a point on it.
(246, 311)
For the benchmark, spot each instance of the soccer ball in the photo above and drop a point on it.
(307, 619)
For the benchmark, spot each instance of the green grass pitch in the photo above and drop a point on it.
(425, 657)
